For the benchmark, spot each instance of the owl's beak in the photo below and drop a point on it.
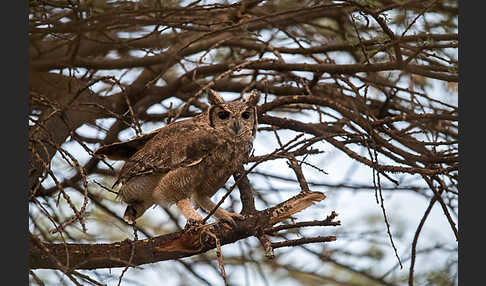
(236, 127)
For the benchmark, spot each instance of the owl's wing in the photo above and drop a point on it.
(180, 144)
(125, 150)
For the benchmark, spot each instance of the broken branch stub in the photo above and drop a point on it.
(293, 205)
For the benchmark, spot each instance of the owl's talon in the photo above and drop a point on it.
(238, 216)
(193, 223)
(230, 218)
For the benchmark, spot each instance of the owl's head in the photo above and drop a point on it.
(237, 119)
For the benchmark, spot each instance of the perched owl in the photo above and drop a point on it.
(186, 162)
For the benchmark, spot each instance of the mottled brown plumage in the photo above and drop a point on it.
(186, 162)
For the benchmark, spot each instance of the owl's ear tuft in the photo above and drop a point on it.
(253, 98)
(213, 97)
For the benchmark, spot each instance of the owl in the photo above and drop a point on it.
(186, 162)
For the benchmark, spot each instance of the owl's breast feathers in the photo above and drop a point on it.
(185, 144)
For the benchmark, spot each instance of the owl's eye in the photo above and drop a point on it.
(245, 115)
(223, 115)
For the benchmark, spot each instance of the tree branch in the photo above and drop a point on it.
(165, 247)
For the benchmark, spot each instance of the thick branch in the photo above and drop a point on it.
(164, 247)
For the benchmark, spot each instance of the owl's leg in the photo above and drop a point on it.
(208, 205)
(194, 219)
(188, 210)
